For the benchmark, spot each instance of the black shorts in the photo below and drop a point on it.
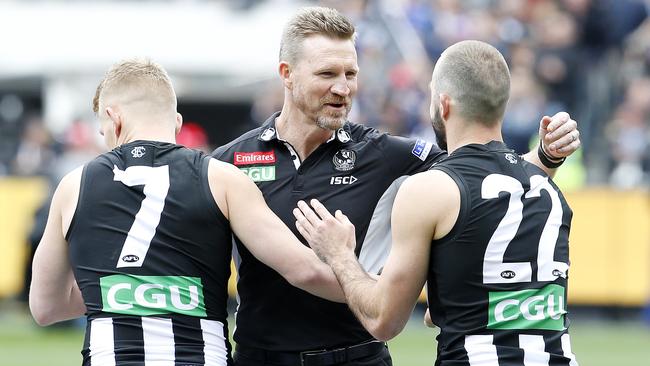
(381, 358)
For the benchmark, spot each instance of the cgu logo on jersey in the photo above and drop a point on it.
(150, 295)
(528, 309)
(260, 173)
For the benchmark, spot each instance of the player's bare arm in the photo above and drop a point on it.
(383, 306)
(266, 236)
(54, 295)
(560, 138)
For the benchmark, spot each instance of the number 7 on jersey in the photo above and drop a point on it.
(156, 186)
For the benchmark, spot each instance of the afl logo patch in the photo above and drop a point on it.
(138, 151)
(344, 160)
(130, 258)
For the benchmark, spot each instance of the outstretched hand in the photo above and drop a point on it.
(559, 135)
(329, 236)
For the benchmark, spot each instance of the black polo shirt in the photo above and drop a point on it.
(357, 171)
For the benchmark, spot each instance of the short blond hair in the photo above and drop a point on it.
(136, 80)
(311, 21)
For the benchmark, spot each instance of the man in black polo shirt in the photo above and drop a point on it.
(309, 150)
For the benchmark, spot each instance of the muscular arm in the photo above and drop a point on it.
(560, 138)
(266, 236)
(383, 306)
(54, 295)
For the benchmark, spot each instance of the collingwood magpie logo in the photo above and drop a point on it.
(344, 160)
(138, 151)
(511, 158)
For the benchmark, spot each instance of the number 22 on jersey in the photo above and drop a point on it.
(156, 186)
(497, 271)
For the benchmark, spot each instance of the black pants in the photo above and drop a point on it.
(380, 359)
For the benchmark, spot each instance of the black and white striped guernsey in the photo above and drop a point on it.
(497, 283)
(151, 251)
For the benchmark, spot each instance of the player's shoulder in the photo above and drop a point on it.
(427, 180)
(431, 187)
(434, 189)
(68, 188)
(247, 139)
(223, 171)
(73, 177)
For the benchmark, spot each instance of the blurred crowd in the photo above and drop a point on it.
(590, 58)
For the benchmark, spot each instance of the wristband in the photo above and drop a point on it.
(548, 161)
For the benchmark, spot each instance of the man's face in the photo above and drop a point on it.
(437, 122)
(324, 80)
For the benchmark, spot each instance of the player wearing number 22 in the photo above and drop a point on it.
(139, 239)
(491, 240)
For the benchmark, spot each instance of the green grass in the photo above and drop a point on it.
(596, 343)
(23, 343)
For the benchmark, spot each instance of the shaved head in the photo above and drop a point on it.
(476, 77)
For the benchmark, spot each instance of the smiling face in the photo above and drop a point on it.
(324, 80)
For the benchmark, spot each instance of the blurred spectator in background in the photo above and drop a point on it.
(35, 150)
(628, 135)
(527, 100)
(80, 145)
(578, 55)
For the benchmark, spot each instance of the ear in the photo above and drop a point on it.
(116, 118)
(284, 69)
(445, 106)
(179, 123)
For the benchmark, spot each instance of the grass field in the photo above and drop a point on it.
(596, 343)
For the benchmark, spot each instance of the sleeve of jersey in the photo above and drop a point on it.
(408, 156)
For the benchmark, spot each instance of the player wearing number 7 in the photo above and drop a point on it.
(491, 240)
(139, 239)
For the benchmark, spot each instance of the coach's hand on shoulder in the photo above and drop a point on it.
(329, 236)
(559, 135)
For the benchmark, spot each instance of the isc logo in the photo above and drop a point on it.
(343, 180)
(149, 295)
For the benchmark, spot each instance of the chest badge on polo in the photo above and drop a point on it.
(344, 160)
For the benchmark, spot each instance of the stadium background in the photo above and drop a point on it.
(588, 57)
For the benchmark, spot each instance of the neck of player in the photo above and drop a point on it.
(461, 133)
(302, 133)
(148, 132)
